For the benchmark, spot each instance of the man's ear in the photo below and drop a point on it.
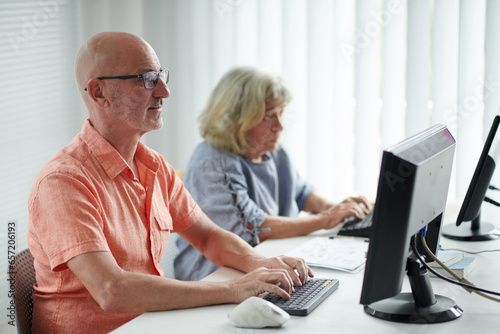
(95, 92)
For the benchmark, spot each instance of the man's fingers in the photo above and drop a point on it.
(273, 288)
(276, 277)
(298, 269)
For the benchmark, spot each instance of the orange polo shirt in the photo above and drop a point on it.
(87, 199)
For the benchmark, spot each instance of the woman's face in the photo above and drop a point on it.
(264, 136)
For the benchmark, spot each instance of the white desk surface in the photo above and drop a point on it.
(341, 311)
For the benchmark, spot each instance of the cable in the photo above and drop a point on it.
(492, 187)
(462, 281)
(491, 201)
(435, 258)
(469, 286)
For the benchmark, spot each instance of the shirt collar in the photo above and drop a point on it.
(109, 158)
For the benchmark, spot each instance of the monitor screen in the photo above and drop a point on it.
(470, 210)
(412, 192)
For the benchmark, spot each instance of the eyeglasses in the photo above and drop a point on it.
(149, 79)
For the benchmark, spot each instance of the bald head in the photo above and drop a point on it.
(107, 53)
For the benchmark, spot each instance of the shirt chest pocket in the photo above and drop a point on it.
(161, 215)
(164, 222)
(161, 227)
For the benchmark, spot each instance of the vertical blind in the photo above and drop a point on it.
(37, 106)
(364, 75)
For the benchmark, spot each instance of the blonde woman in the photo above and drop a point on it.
(243, 179)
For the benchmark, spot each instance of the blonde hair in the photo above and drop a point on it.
(237, 104)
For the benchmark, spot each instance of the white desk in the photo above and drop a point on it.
(341, 312)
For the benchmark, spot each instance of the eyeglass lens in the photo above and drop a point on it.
(151, 78)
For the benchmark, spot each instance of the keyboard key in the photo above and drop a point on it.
(307, 297)
(355, 227)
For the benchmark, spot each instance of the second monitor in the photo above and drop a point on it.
(470, 210)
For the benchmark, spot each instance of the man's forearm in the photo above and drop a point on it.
(120, 291)
(139, 293)
(226, 249)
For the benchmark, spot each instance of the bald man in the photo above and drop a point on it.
(102, 210)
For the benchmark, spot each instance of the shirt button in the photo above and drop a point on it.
(142, 191)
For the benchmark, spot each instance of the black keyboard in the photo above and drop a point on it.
(306, 297)
(355, 227)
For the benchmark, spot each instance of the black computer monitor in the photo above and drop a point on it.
(476, 193)
(412, 193)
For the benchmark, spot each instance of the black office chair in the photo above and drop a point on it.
(23, 299)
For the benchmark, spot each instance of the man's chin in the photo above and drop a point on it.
(159, 124)
(155, 124)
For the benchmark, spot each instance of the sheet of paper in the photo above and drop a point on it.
(346, 254)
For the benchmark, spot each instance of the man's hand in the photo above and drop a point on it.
(278, 275)
(226, 249)
(296, 268)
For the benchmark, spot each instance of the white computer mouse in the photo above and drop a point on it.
(255, 312)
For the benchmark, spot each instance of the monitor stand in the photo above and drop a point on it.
(420, 306)
(478, 231)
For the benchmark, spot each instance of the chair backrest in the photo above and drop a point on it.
(23, 297)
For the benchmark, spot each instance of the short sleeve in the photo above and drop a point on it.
(220, 188)
(67, 219)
